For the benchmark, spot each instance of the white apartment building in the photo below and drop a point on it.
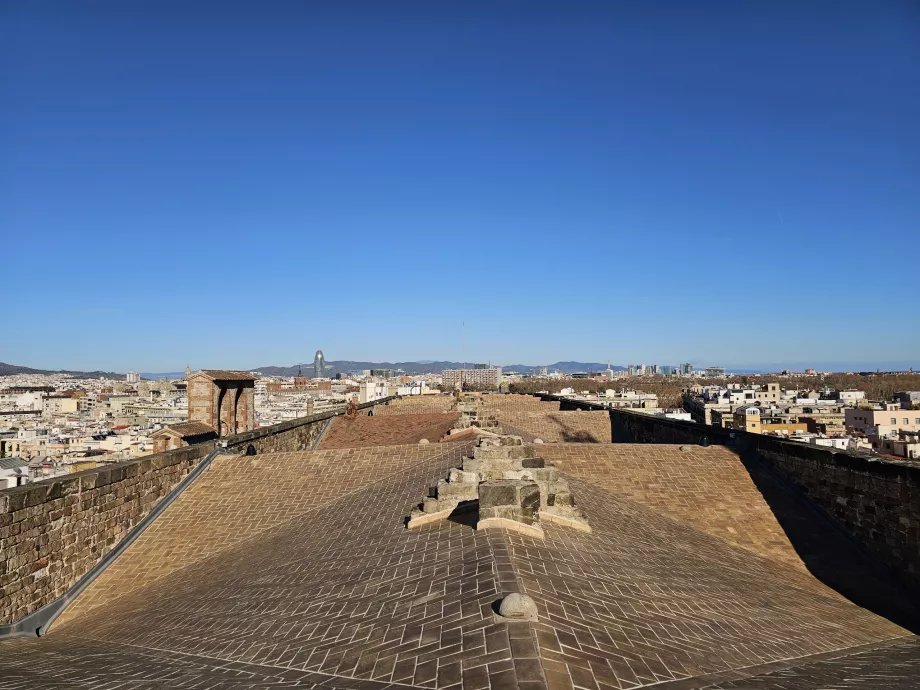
(372, 390)
(885, 421)
(850, 397)
(58, 405)
(487, 377)
(413, 388)
(13, 472)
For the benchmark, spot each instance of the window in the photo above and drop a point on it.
(894, 420)
(917, 421)
(906, 421)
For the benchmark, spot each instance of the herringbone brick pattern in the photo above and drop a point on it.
(417, 404)
(388, 430)
(342, 595)
(516, 404)
(894, 666)
(344, 590)
(241, 496)
(532, 418)
(644, 599)
(91, 666)
(705, 488)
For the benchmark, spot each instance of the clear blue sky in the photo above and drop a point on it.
(232, 185)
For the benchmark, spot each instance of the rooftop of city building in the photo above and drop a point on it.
(702, 569)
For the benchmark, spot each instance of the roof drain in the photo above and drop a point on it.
(40, 621)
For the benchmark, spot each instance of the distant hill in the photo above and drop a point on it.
(12, 370)
(564, 367)
(425, 367)
(153, 376)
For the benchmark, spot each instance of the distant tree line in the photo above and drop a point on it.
(669, 389)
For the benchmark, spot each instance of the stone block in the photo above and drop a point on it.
(545, 474)
(457, 491)
(515, 499)
(500, 492)
(562, 498)
(458, 475)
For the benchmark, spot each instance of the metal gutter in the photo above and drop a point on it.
(40, 621)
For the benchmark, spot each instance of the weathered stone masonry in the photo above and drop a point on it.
(53, 532)
(875, 500)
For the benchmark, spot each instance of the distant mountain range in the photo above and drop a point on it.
(12, 369)
(334, 367)
(426, 367)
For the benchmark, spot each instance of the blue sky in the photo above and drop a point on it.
(237, 185)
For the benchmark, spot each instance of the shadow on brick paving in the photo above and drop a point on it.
(830, 554)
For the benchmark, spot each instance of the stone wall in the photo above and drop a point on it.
(877, 501)
(52, 532)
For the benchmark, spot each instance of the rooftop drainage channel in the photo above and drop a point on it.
(322, 433)
(40, 621)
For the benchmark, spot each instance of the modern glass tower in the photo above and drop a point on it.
(319, 365)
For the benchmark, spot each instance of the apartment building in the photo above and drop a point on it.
(882, 421)
(490, 377)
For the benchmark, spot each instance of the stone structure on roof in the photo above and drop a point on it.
(179, 435)
(509, 486)
(475, 414)
(224, 400)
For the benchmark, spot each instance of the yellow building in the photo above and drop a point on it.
(747, 418)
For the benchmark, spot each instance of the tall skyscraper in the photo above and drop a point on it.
(319, 365)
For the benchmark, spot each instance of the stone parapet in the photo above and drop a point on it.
(875, 500)
(53, 531)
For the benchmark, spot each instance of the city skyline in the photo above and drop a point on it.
(698, 365)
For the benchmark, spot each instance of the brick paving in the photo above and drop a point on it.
(644, 599)
(241, 497)
(531, 418)
(388, 430)
(417, 404)
(705, 488)
(895, 666)
(299, 572)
